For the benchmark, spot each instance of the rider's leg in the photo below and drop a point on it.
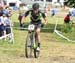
(38, 36)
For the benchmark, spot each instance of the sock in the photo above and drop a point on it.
(38, 44)
(20, 25)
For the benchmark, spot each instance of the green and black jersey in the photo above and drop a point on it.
(35, 17)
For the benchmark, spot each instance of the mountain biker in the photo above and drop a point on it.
(35, 17)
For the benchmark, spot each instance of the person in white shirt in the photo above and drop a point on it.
(5, 24)
(72, 11)
(2, 24)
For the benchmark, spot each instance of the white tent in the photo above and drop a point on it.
(17, 2)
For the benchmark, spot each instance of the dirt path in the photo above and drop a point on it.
(51, 52)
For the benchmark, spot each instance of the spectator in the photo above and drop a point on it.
(7, 25)
(54, 11)
(22, 9)
(45, 11)
(72, 11)
(1, 11)
(67, 27)
(6, 11)
(67, 18)
(2, 25)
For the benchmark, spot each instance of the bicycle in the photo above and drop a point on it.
(31, 43)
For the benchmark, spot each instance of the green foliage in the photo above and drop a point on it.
(71, 3)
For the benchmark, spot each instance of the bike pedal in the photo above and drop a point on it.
(29, 45)
(38, 49)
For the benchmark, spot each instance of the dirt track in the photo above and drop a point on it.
(51, 52)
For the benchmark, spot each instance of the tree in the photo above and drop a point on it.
(71, 3)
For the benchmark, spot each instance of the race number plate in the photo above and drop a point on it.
(31, 27)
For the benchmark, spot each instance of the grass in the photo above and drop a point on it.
(53, 48)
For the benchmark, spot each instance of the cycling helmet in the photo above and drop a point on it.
(35, 6)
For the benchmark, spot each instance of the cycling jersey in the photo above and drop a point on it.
(35, 18)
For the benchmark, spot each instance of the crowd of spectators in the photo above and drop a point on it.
(5, 23)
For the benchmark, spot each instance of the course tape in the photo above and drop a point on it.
(59, 33)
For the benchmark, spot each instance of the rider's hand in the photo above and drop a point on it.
(46, 22)
(23, 18)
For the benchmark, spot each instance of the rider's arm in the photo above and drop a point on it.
(24, 16)
(46, 22)
(44, 17)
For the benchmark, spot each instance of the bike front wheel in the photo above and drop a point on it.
(28, 47)
(35, 44)
(36, 53)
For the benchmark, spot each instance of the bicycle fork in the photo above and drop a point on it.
(34, 41)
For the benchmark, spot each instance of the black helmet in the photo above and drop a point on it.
(35, 6)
